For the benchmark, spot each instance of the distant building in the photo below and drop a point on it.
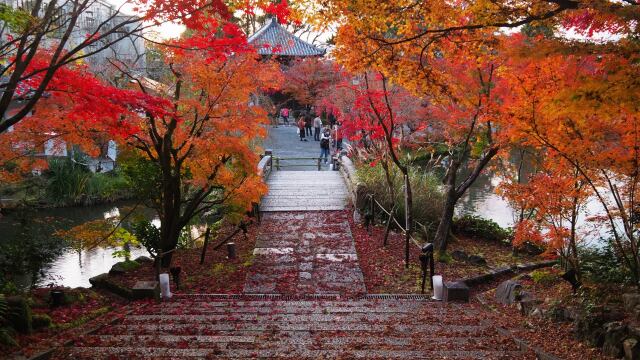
(129, 50)
(274, 40)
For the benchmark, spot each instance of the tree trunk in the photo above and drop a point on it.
(444, 227)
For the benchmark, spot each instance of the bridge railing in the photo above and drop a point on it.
(284, 162)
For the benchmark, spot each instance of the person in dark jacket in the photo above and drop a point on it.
(325, 139)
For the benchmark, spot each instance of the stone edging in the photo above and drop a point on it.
(522, 344)
(492, 275)
(348, 172)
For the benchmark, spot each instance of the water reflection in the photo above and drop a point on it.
(70, 268)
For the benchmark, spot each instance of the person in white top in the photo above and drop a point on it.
(317, 124)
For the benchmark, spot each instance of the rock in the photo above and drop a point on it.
(634, 330)
(588, 327)
(19, 314)
(459, 255)
(537, 312)
(122, 267)
(614, 335)
(143, 259)
(508, 292)
(102, 281)
(455, 291)
(561, 313)
(630, 300)
(631, 348)
(477, 260)
(146, 290)
(636, 313)
(528, 304)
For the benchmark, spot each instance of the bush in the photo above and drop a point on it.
(41, 321)
(427, 197)
(477, 227)
(19, 314)
(543, 277)
(6, 332)
(603, 265)
(70, 183)
(67, 181)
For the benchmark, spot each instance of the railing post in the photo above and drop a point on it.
(368, 214)
(388, 226)
(319, 164)
(278, 164)
(407, 222)
(426, 259)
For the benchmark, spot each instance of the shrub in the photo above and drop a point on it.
(543, 277)
(427, 197)
(41, 321)
(67, 181)
(477, 227)
(6, 332)
(603, 265)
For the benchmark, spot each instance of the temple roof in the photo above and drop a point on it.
(273, 39)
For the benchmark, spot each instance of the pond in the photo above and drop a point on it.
(482, 200)
(68, 268)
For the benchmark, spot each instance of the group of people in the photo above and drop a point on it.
(324, 134)
(313, 126)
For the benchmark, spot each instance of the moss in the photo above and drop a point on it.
(445, 258)
(84, 319)
(543, 277)
(130, 265)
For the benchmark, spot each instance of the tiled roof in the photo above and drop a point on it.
(273, 39)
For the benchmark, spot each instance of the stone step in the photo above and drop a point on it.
(160, 353)
(408, 319)
(295, 343)
(206, 329)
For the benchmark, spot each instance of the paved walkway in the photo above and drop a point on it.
(285, 143)
(305, 253)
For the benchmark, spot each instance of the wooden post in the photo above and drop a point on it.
(407, 223)
(388, 226)
(204, 246)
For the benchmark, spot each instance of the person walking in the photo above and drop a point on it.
(285, 115)
(325, 145)
(308, 122)
(301, 125)
(337, 137)
(317, 124)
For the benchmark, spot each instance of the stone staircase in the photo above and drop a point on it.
(371, 327)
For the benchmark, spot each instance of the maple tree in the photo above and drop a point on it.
(553, 199)
(193, 140)
(203, 151)
(429, 48)
(307, 79)
(583, 110)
